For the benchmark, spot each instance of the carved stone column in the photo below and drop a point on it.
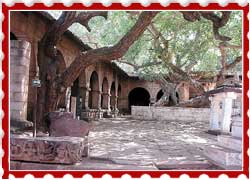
(19, 82)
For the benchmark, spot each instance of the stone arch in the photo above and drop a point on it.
(113, 94)
(13, 36)
(105, 94)
(138, 97)
(94, 91)
(119, 93)
(159, 94)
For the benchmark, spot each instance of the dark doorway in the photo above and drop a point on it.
(112, 98)
(13, 36)
(119, 96)
(159, 95)
(138, 97)
(94, 92)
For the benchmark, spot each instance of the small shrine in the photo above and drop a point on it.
(226, 122)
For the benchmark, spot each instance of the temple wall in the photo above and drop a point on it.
(171, 113)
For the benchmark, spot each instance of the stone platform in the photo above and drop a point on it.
(85, 164)
(227, 153)
(62, 150)
(180, 164)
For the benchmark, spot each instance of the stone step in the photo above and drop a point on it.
(223, 157)
(181, 164)
(61, 150)
(230, 142)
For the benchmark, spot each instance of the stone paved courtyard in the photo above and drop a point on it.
(144, 143)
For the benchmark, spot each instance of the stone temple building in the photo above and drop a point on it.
(106, 90)
(101, 87)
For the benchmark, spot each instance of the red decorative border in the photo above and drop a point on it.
(118, 6)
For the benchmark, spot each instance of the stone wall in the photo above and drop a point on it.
(171, 113)
(19, 79)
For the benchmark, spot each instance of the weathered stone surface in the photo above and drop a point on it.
(86, 164)
(140, 143)
(224, 157)
(171, 113)
(63, 150)
(231, 142)
(63, 124)
(182, 164)
(19, 78)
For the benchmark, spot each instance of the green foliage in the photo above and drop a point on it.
(189, 41)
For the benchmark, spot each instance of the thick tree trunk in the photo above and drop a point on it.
(54, 82)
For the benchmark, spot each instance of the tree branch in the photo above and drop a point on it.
(67, 18)
(106, 53)
(217, 21)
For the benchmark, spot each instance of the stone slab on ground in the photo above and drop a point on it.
(86, 164)
(63, 124)
(230, 142)
(182, 164)
(137, 142)
(62, 150)
(223, 157)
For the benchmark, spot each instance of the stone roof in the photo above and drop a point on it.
(225, 88)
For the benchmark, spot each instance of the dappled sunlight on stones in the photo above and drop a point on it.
(138, 142)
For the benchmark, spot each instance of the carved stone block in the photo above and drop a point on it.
(62, 150)
(63, 124)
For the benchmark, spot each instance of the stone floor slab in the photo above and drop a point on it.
(131, 141)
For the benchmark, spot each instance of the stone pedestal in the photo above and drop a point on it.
(62, 150)
(19, 80)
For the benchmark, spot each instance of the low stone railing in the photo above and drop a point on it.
(171, 113)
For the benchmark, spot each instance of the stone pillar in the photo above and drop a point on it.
(96, 99)
(227, 111)
(84, 92)
(214, 113)
(115, 103)
(237, 123)
(184, 92)
(19, 82)
(152, 100)
(68, 95)
(106, 101)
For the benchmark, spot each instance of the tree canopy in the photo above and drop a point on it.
(190, 43)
